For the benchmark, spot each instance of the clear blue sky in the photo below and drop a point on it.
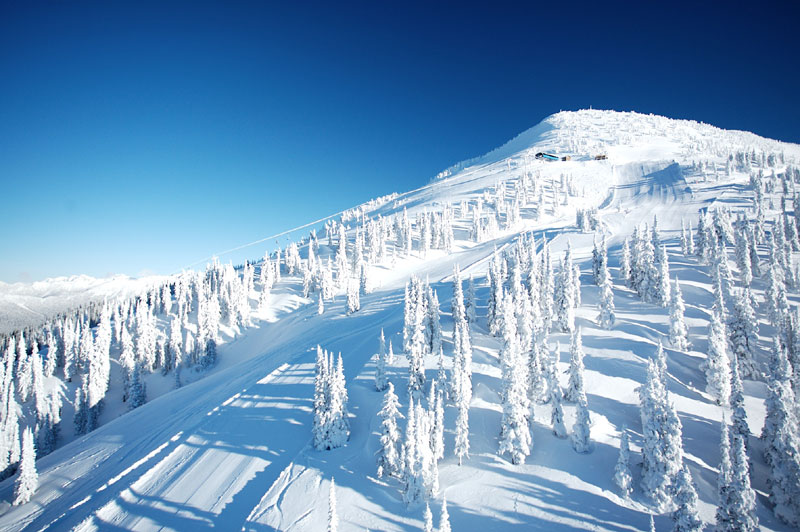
(142, 136)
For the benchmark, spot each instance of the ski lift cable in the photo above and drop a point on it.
(288, 231)
(260, 240)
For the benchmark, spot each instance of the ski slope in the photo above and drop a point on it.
(233, 450)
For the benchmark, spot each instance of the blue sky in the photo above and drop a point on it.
(142, 137)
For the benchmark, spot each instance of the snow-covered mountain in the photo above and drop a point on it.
(232, 447)
(32, 304)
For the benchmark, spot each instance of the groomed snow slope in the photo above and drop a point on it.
(232, 450)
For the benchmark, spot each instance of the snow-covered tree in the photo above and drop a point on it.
(662, 450)
(27, 479)
(622, 471)
(421, 473)
(427, 519)
(388, 455)
(678, 331)
(625, 263)
(380, 365)
(781, 440)
(433, 327)
(717, 364)
(743, 332)
(515, 434)
(723, 516)
(469, 303)
(436, 415)
(444, 519)
(565, 295)
(740, 425)
(458, 296)
(331, 427)
(686, 518)
(339, 425)
(581, 438)
(606, 318)
(659, 285)
(353, 296)
(599, 261)
(137, 394)
(737, 499)
(556, 395)
(333, 517)
(575, 389)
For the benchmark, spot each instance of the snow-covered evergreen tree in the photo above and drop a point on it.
(662, 450)
(469, 303)
(736, 510)
(427, 517)
(413, 488)
(338, 423)
(678, 332)
(625, 263)
(380, 365)
(581, 438)
(137, 394)
(743, 332)
(740, 425)
(599, 261)
(458, 296)
(27, 480)
(444, 519)
(575, 389)
(622, 471)
(781, 441)
(353, 296)
(515, 434)
(659, 284)
(717, 364)
(333, 517)
(606, 318)
(564, 303)
(556, 395)
(686, 518)
(436, 406)
(723, 516)
(433, 327)
(742, 497)
(388, 456)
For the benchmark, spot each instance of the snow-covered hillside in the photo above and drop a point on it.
(232, 446)
(32, 304)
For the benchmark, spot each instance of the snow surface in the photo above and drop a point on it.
(233, 449)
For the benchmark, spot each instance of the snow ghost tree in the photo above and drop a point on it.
(717, 365)
(662, 449)
(27, 479)
(581, 439)
(678, 332)
(575, 389)
(380, 365)
(622, 471)
(686, 518)
(331, 427)
(333, 518)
